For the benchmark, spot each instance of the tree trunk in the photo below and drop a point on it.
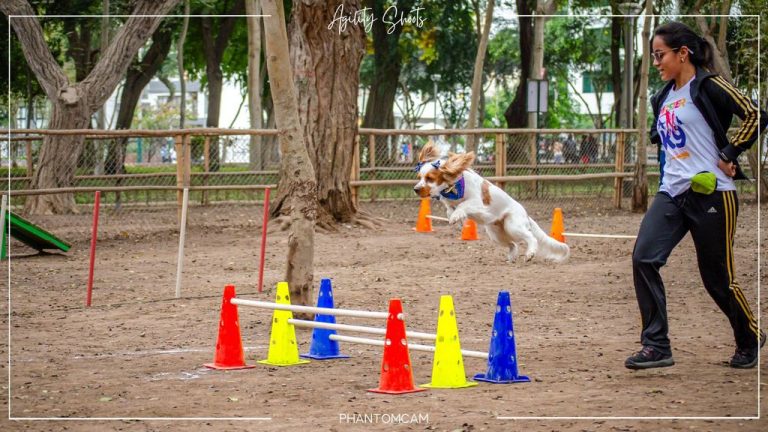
(271, 146)
(515, 114)
(57, 160)
(640, 186)
(180, 65)
(297, 177)
(255, 161)
(213, 47)
(137, 77)
(326, 67)
(616, 77)
(215, 83)
(387, 65)
(74, 104)
(543, 8)
(477, 77)
(386, 74)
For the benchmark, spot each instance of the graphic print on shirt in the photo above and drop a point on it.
(673, 136)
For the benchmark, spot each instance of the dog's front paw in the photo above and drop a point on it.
(529, 256)
(458, 216)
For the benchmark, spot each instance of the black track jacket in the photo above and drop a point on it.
(718, 101)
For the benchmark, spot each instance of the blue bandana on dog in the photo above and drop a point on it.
(455, 192)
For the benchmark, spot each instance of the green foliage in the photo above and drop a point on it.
(494, 108)
(234, 63)
(503, 57)
(575, 46)
(445, 44)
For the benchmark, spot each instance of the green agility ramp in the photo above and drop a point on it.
(30, 234)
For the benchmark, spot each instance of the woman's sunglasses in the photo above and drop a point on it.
(658, 55)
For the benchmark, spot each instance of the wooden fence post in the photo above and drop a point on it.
(183, 168)
(501, 158)
(206, 167)
(355, 174)
(372, 163)
(179, 146)
(618, 182)
(533, 146)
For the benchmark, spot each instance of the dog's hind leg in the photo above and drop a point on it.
(520, 232)
(513, 252)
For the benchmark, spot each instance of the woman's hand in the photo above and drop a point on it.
(729, 168)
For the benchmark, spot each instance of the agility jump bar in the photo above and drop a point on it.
(616, 236)
(415, 347)
(314, 310)
(358, 329)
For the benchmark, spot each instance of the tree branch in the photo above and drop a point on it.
(227, 26)
(134, 33)
(36, 51)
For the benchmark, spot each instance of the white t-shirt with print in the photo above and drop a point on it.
(688, 144)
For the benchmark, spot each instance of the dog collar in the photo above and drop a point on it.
(455, 192)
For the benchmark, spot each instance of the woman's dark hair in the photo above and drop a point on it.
(676, 35)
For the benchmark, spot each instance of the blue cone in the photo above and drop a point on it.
(322, 347)
(502, 355)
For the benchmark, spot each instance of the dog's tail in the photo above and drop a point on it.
(549, 248)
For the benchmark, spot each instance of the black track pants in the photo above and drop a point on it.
(711, 219)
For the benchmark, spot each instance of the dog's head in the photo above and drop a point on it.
(436, 175)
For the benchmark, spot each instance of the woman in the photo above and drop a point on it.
(697, 192)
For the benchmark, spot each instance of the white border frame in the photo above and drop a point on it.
(270, 418)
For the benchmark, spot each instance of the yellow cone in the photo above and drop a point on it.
(283, 350)
(448, 364)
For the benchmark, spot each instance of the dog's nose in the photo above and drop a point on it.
(417, 190)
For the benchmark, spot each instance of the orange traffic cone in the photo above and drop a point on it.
(557, 226)
(229, 345)
(396, 371)
(469, 231)
(423, 223)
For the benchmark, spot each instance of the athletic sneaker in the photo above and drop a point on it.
(648, 357)
(747, 358)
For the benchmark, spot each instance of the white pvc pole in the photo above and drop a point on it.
(4, 206)
(314, 310)
(617, 236)
(415, 347)
(438, 218)
(182, 236)
(359, 329)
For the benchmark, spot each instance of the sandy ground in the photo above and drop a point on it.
(138, 353)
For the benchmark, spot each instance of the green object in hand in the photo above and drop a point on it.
(704, 183)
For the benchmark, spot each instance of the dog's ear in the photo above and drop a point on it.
(455, 164)
(430, 152)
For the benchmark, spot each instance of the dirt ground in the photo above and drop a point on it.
(138, 353)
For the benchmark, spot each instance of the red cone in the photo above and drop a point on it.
(396, 371)
(229, 345)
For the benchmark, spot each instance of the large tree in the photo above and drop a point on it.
(297, 177)
(74, 103)
(326, 66)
